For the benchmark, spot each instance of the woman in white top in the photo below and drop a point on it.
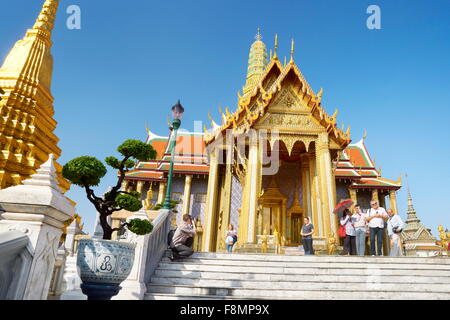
(231, 238)
(350, 239)
(360, 229)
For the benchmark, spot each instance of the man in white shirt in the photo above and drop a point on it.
(395, 226)
(376, 216)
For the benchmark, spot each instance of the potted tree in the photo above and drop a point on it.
(102, 263)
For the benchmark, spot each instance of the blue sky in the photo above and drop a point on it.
(131, 61)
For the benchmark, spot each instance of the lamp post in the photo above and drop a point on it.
(177, 113)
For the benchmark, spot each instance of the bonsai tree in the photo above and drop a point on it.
(86, 172)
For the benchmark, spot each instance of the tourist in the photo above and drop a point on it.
(376, 216)
(395, 227)
(360, 230)
(231, 238)
(183, 238)
(349, 241)
(306, 233)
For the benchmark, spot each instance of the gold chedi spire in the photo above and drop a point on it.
(46, 18)
(257, 62)
(26, 111)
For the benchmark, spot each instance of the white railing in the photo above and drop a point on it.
(157, 242)
(15, 263)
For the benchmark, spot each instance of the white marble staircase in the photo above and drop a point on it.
(257, 276)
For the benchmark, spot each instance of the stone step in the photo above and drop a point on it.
(317, 258)
(329, 294)
(372, 283)
(337, 276)
(169, 296)
(298, 270)
(297, 264)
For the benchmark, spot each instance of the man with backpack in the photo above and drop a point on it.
(183, 239)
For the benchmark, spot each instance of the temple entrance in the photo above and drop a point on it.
(272, 211)
(297, 223)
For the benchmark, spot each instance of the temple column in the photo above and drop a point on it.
(211, 202)
(139, 187)
(327, 196)
(161, 192)
(375, 195)
(227, 195)
(306, 188)
(285, 230)
(393, 200)
(187, 194)
(315, 199)
(124, 185)
(353, 197)
(252, 183)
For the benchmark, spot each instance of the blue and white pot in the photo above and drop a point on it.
(103, 265)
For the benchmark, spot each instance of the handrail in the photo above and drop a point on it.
(15, 264)
(157, 242)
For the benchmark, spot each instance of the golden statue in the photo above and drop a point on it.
(147, 202)
(264, 241)
(444, 239)
(331, 243)
(277, 242)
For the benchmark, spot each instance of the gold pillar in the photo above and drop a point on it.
(306, 188)
(139, 187)
(124, 185)
(327, 195)
(375, 194)
(187, 194)
(315, 198)
(211, 202)
(393, 200)
(227, 196)
(353, 197)
(161, 192)
(284, 230)
(250, 203)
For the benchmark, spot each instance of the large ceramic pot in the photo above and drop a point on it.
(102, 266)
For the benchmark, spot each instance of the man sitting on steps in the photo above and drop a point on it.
(183, 239)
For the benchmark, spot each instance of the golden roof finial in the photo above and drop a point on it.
(276, 47)
(258, 36)
(209, 116)
(46, 19)
(365, 134)
(284, 65)
(146, 127)
(292, 51)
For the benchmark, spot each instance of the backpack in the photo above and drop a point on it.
(341, 232)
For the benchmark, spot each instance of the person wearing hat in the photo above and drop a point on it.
(395, 226)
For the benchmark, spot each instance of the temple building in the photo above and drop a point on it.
(26, 107)
(417, 238)
(275, 160)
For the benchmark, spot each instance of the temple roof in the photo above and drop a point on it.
(190, 157)
(356, 164)
(255, 101)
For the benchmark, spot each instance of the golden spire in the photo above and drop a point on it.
(276, 47)
(27, 76)
(257, 62)
(46, 19)
(292, 51)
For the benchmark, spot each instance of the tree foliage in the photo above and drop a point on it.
(84, 171)
(140, 226)
(87, 172)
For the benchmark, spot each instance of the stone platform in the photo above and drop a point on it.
(257, 276)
